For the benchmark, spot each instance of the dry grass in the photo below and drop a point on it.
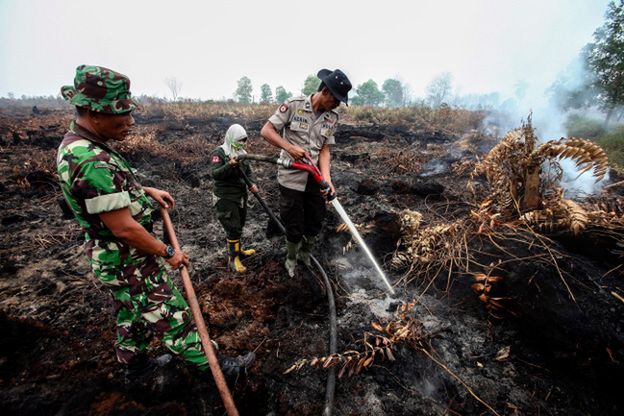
(193, 110)
(399, 161)
(187, 150)
(450, 120)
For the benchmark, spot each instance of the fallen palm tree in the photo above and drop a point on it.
(524, 177)
(524, 201)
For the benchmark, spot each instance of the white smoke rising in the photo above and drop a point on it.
(547, 118)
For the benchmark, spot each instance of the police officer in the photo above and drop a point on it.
(115, 212)
(230, 191)
(307, 125)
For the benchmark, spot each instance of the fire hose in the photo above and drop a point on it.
(333, 332)
(308, 166)
(224, 391)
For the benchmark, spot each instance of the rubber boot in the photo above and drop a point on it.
(244, 253)
(231, 367)
(303, 255)
(234, 256)
(291, 257)
(141, 370)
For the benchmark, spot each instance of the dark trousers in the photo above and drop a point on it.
(302, 213)
(232, 217)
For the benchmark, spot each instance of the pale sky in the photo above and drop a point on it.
(487, 45)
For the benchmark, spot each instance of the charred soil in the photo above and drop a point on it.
(547, 354)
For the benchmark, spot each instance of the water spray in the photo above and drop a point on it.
(312, 169)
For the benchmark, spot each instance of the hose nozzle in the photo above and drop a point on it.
(287, 163)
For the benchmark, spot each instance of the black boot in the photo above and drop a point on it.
(141, 370)
(231, 367)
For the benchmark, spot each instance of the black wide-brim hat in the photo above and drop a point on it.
(337, 83)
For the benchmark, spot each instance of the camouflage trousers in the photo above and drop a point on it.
(146, 303)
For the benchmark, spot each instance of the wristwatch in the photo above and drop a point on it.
(169, 252)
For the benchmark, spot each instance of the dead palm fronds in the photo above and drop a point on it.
(513, 169)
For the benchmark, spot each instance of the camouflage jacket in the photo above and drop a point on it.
(96, 179)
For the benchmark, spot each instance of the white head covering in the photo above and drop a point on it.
(235, 134)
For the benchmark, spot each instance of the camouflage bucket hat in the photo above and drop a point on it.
(100, 89)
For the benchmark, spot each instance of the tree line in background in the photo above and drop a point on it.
(393, 93)
(595, 81)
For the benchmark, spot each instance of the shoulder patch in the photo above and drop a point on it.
(215, 159)
(283, 108)
(331, 118)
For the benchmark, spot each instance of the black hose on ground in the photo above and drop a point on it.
(330, 386)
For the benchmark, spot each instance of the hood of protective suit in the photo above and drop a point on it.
(234, 138)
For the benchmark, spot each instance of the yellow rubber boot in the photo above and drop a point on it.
(244, 253)
(234, 256)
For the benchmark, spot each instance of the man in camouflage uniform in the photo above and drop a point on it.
(115, 212)
(307, 125)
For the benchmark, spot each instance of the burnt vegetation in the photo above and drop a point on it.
(509, 291)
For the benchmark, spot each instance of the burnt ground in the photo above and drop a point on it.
(552, 356)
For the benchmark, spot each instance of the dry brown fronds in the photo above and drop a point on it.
(483, 287)
(560, 215)
(513, 169)
(422, 246)
(461, 167)
(404, 329)
(586, 154)
(427, 251)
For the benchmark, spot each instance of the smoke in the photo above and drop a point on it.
(549, 109)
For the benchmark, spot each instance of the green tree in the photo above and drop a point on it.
(243, 91)
(368, 94)
(394, 92)
(266, 95)
(310, 85)
(281, 94)
(439, 89)
(357, 100)
(605, 59)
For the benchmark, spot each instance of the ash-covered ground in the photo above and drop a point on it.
(551, 356)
